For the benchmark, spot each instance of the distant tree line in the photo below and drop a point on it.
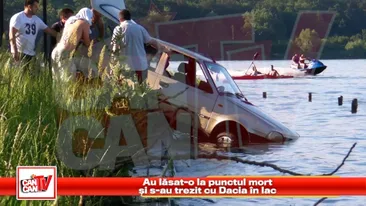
(273, 19)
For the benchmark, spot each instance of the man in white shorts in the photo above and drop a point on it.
(23, 29)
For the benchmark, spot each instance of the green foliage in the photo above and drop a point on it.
(30, 115)
(272, 19)
(307, 40)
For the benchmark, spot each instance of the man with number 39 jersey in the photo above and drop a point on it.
(23, 31)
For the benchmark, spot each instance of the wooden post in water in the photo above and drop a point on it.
(340, 100)
(310, 97)
(265, 95)
(354, 106)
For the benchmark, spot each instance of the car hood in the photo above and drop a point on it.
(274, 124)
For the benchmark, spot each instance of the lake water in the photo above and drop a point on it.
(327, 130)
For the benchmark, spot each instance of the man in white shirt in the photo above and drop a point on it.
(129, 39)
(23, 29)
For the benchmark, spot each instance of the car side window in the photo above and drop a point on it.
(187, 70)
(202, 82)
(177, 68)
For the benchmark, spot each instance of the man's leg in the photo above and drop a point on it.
(26, 61)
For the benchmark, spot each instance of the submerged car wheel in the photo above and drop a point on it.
(232, 137)
(225, 140)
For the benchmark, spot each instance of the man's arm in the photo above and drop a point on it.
(149, 40)
(54, 39)
(14, 29)
(46, 29)
(51, 32)
(13, 44)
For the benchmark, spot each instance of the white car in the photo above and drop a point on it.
(195, 84)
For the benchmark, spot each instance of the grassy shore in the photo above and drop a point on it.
(29, 119)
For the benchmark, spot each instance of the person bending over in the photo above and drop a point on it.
(76, 32)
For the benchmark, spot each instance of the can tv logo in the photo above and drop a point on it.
(36, 183)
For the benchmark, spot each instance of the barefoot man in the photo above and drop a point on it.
(76, 32)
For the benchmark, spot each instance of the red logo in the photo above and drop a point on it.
(36, 183)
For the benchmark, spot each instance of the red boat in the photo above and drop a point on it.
(265, 76)
(260, 75)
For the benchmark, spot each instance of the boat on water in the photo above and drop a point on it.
(258, 75)
(315, 67)
(264, 76)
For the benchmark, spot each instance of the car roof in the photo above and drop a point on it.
(184, 51)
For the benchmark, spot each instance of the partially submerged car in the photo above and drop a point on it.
(190, 82)
(193, 83)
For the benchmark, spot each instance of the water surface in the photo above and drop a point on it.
(327, 130)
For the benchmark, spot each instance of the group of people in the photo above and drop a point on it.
(299, 61)
(296, 60)
(25, 26)
(129, 38)
(272, 72)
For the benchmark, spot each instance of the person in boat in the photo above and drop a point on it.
(273, 72)
(255, 71)
(76, 33)
(302, 61)
(296, 60)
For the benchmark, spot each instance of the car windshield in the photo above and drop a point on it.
(222, 79)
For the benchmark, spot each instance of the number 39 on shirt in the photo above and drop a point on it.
(30, 29)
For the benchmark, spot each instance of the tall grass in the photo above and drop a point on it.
(30, 115)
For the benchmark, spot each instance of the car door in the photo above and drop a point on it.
(174, 91)
(202, 97)
(184, 93)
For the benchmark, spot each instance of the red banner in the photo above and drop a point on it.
(204, 187)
